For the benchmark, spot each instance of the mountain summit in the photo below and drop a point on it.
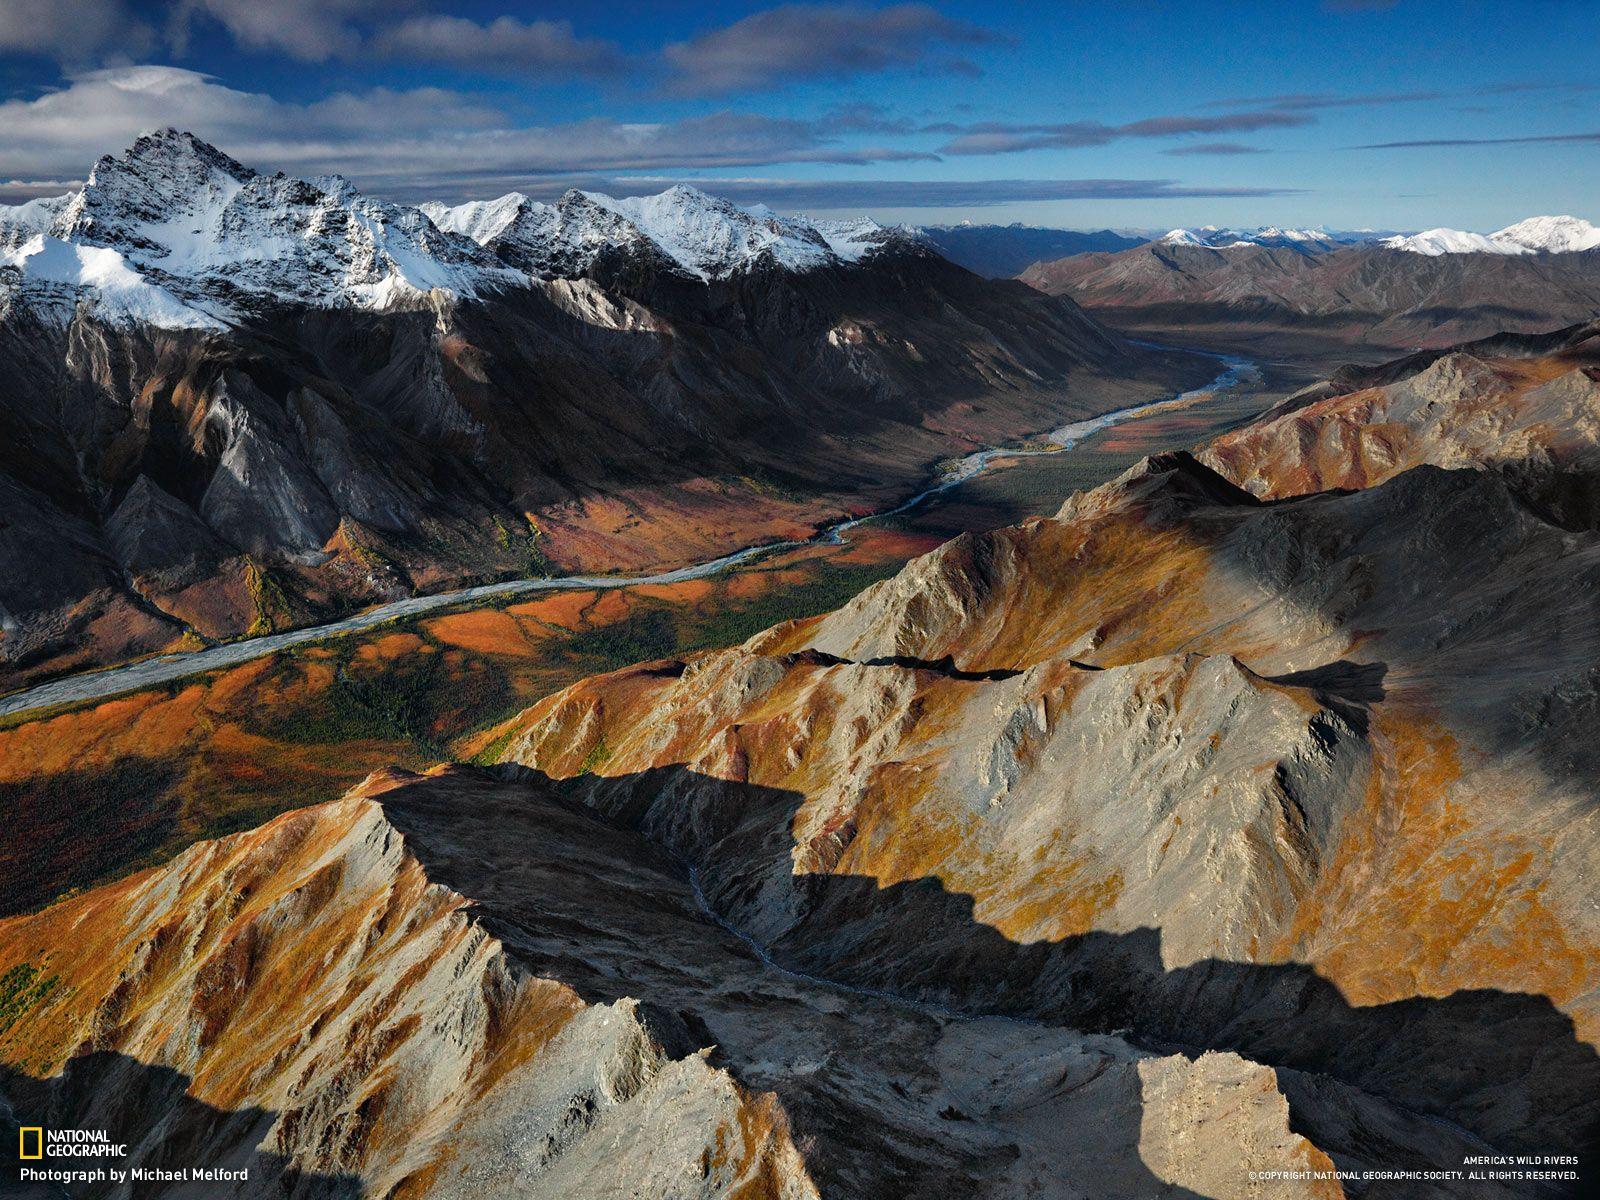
(175, 233)
(682, 228)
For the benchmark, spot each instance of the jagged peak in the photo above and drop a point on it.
(169, 142)
(196, 237)
(165, 156)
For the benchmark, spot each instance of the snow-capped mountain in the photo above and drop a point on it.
(1553, 235)
(1535, 235)
(1434, 242)
(176, 233)
(681, 228)
(1216, 237)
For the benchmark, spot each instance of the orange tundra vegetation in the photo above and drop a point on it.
(108, 787)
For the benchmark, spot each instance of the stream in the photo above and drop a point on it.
(111, 681)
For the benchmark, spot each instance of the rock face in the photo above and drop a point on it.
(1533, 421)
(445, 986)
(1307, 781)
(353, 403)
(1382, 295)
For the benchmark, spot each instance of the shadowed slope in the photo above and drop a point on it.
(582, 1027)
(1341, 731)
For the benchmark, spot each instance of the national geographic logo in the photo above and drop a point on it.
(34, 1143)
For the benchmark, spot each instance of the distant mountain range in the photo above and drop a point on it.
(238, 401)
(1391, 291)
(1008, 250)
(1309, 240)
(1003, 251)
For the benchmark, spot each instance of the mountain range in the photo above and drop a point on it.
(1237, 817)
(240, 401)
(1298, 289)
(1309, 240)
(1002, 251)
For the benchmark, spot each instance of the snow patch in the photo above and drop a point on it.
(47, 265)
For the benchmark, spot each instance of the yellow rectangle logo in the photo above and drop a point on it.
(38, 1141)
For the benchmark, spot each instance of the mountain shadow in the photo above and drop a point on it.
(598, 907)
(62, 829)
(1504, 1071)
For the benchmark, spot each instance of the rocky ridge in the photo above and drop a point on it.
(1534, 421)
(1305, 779)
(320, 1002)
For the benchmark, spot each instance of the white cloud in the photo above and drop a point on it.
(309, 30)
(406, 144)
(819, 41)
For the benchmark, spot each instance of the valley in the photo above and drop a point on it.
(251, 442)
(1229, 822)
(210, 748)
(649, 696)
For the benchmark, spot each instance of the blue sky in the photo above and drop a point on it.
(1349, 113)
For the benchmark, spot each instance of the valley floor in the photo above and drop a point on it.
(202, 753)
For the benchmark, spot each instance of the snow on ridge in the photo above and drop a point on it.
(1535, 235)
(699, 235)
(854, 239)
(1215, 238)
(709, 237)
(480, 220)
(196, 237)
(193, 237)
(60, 272)
(1437, 242)
(1555, 235)
(19, 222)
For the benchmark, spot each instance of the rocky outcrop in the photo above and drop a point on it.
(320, 1002)
(1534, 422)
(1304, 781)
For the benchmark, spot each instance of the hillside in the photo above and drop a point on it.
(1366, 299)
(253, 401)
